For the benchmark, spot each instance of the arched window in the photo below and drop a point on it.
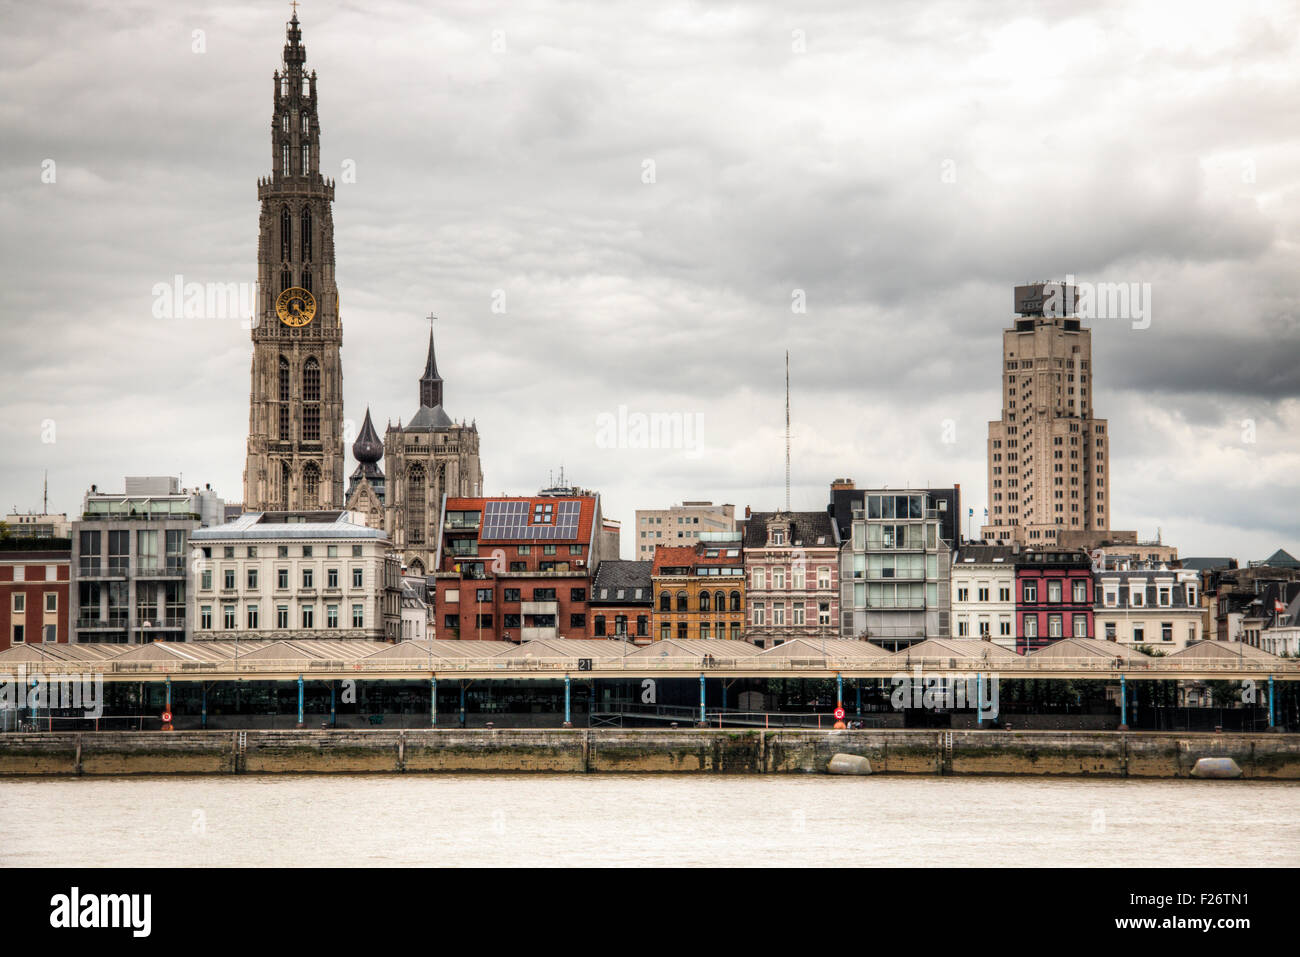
(704, 601)
(600, 626)
(681, 601)
(284, 486)
(284, 160)
(719, 601)
(306, 234)
(416, 568)
(286, 243)
(286, 279)
(311, 485)
(665, 601)
(306, 159)
(415, 505)
(735, 601)
(284, 400)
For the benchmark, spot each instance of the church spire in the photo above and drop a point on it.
(368, 448)
(431, 382)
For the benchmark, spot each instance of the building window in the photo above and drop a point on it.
(1054, 591)
(1031, 593)
(308, 616)
(252, 617)
(228, 617)
(1031, 626)
(331, 616)
(307, 578)
(1166, 631)
(1081, 626)
(415, 505)
(1080, 592)
(356, 578)
(205, 618)
(359, 616)
(252, 579)
(282, 616)
(758, 580)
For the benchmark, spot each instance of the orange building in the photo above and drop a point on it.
(699, 591)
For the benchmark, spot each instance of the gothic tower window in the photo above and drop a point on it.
(284, 160)
(306, 235)
(284, 486)
(284, 400)
(286, 279)
(306, 159)
(311, 485)
(285, 252)
(304, 123)
(284, 122)
(311, 401)
(415, 505)
(306, 279)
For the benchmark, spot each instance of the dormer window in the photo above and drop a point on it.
(778, 536)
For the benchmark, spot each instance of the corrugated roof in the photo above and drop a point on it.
(830, 648)
(1223, 650)
(695, 648)
(1085, 648)
(440, 649)
(972, 649)
(566, 648)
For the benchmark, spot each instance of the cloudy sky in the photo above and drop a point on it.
(897, 166)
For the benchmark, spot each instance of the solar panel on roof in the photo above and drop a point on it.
(513, 520)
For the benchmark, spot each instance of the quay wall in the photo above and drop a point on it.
(1094, 753)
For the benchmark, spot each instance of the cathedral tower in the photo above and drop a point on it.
(295, 422)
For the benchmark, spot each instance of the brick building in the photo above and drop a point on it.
(518, 568)
(34, 577)
(791, 565)
(622, 601)
(699, 591)
(1054, 598)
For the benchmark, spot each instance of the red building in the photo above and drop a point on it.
(622, 602)
(34, 591)
(518, 568)
(1054, 598)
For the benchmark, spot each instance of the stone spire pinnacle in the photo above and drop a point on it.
(431, 382)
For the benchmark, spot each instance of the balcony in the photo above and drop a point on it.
(171, 569)
(117, 622)
(539, 608)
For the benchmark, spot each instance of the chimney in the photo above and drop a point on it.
(747, 512)
(842, 484)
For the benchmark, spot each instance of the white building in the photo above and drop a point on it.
(984, 593)
(415, 609)
(279, 575)
(1158, 607)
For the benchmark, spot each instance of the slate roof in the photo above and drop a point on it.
(613, 574)
(429, 419)
(985, 554)
(808, 528)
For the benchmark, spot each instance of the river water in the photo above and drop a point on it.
(505, 820)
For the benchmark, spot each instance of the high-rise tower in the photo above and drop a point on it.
(1048, 457)
(295, 421)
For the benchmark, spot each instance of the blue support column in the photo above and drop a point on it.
(702, 718)
(857, 686)
(1271, 725)
(169, 694)
(300, 701)
(839, 690)
(1123, 703)
(433, 702)
(568, 722)
(979, 700)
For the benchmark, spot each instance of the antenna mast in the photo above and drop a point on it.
(787, 430)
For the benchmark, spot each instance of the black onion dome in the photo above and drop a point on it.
(368, 447)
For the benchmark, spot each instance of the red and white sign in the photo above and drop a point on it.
(167, 717)
(839, 714)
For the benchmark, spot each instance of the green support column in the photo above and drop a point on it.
(433, 702)
(1123, 703)
(300, 701)
(568, 723)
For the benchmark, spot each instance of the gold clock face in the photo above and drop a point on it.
(295, 306)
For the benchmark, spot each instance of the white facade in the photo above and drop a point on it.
(983, 595)
(1155, 607)
(261, 577)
